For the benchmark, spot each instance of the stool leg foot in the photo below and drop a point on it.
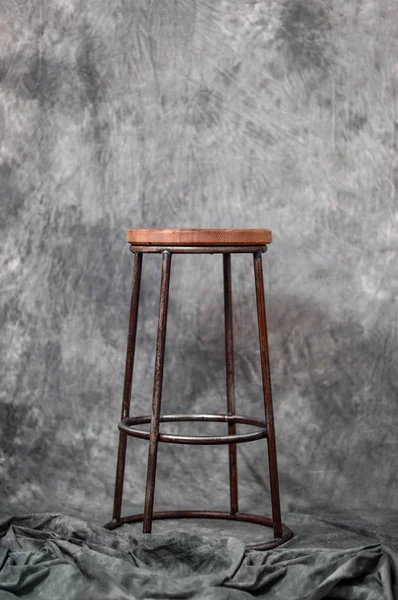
(229, 363)
(128, 378)
(157, 393)
(266, 377)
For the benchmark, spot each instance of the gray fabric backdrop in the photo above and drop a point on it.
(210, 114)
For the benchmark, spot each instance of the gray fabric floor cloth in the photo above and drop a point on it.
(51, 556)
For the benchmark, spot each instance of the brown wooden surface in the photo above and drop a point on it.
(199, 237)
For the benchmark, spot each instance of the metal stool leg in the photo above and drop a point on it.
(128, 377)
(229, 363)
(269, 413)
(157, 393)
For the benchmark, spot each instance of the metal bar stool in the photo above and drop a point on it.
(198, 241)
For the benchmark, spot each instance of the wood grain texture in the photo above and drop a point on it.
(199, 237)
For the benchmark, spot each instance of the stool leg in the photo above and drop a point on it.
(229, 364)
(157, 392)
(266, 377)
(128, 377)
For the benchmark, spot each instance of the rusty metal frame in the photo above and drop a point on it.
(246, 249)
(266, 427)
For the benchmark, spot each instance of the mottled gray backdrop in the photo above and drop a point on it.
(195, 113)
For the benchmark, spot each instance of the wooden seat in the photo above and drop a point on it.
(199, 237)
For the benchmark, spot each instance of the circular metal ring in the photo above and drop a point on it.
(198, 249)
(125, 427)
(208, 514)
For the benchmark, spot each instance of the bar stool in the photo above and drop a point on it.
(198, 241)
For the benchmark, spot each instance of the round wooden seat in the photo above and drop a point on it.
(199, 237)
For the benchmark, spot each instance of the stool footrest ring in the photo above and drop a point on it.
(126, 427)
(209, 514)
